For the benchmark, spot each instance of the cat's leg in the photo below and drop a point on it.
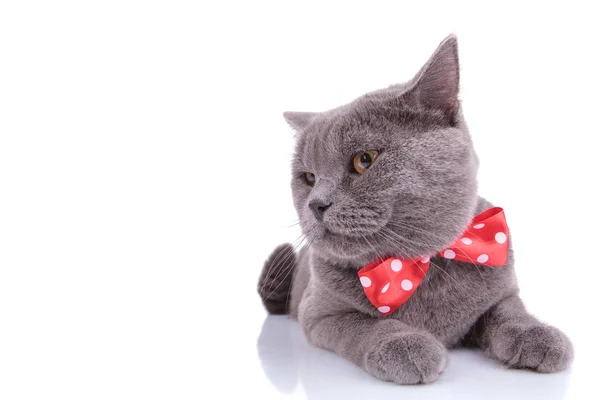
(507, 332)
(385, 348)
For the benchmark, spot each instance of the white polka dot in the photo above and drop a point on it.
(478, 226)
(396, 265)
(466, 241)
(384, 309)
(449, 254)
(500, 237)
(425, 259)
(385, 288)
(366, 282)
(483, 258)
(406, 284)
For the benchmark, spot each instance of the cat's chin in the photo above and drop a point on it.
(345, 248)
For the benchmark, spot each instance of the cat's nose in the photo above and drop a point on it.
(318, 208)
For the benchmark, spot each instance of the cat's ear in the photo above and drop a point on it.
(299, 120)
(436, 85)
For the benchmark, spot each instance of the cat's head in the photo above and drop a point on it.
(391, 173)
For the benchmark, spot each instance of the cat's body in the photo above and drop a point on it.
(416, 197)
(451, 298)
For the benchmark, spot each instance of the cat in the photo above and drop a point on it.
(393, 173)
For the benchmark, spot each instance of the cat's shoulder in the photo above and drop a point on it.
(482, 205)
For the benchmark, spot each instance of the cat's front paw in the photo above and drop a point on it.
(539, 347)
(407, 358)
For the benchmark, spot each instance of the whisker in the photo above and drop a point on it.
(399, 224)
(377, 255)
(274, 290)
(283, 261)
(280, 258)
(287, 297)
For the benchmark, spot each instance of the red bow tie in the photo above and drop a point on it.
(389, 283)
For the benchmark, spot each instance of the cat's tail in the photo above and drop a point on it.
(275, 282)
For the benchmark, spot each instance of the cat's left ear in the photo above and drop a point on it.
(299, 120)
(436, 85)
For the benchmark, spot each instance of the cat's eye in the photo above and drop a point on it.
(362, 161)
(309, 178)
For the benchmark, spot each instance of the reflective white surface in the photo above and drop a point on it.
(295, 368)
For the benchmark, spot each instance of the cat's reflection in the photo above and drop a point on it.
(290, 362)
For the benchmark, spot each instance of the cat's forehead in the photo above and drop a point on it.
(331, 136)
(367, 123)
(376, 121)
(349, 124)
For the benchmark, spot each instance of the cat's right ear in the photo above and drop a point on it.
(299, 120)
(437, 83)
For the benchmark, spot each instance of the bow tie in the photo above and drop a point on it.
(388, 283)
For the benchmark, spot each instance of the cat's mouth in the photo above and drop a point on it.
(356, 223)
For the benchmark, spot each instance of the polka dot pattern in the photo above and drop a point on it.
(389, 283)
(485, 241)
(385, 288)
(365, 281)
(396, 265)
(500, 237)
(449, 254)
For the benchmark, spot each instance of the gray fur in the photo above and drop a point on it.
(273, 287)
(417, 198)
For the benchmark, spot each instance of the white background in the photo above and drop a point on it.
(144, 178)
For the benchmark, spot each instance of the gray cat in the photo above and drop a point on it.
(394, 173)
